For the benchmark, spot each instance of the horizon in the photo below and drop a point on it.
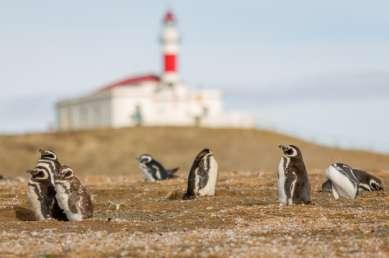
(287, 63)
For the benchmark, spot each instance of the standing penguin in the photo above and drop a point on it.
(344, 182)
(41, 193)
(72, 196)
(153, 170)
(41, 190)
(293, 182)
(49, 161)
(202, 176)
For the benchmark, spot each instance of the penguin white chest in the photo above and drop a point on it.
(63, 200)
(62, 196)
(281, 180)
(33, 198)
(147, 174)
(210, 187)
(341, 184)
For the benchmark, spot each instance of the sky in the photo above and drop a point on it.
(315, 69)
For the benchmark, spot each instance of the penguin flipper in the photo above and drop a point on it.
(335, 193)
(326, 186)
(190, 192)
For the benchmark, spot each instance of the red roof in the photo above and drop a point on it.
(132, 81)
(169, 17)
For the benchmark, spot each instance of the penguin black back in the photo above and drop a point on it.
(293, 182)
(202, 175)
(153, 170)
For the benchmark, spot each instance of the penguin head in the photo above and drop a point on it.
(48, 154)
(342, 166)
(376, 184)
(65, 173)
(145, 159)
(39, 174)
(205, 152)
(202, 157)
(290, 151)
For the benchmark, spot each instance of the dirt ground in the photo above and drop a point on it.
(133, 218)
(138, 219)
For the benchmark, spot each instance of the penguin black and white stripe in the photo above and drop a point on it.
(202, 176)
(344, 182)
(293, 182)
(367, 182)
(153, 170)
(41, 187)
(40, 193)
(72, 196)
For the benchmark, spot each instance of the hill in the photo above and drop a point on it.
(113, 151)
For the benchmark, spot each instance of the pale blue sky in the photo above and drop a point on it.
(277, 59)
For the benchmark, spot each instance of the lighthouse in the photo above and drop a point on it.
(170, 46)
(151, 99)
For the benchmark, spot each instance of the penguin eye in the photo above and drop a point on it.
(39, 175)
(68, 173)
(289, 151)
(146, 159)
(48, 155)
(375, 185)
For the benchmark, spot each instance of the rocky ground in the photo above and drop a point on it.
(133, 218)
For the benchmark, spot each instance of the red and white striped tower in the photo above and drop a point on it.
(170, 40)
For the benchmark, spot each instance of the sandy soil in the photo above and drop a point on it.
(133, 218)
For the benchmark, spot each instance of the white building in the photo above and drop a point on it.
(150, 100)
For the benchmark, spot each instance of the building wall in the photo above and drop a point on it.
(132, 102)
(149, 106)
(93, 111)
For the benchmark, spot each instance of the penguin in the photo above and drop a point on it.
(41, 187)
(367, 182)
(293, 182)
(72, 196)
(202, 176)
(153, 170)
(344, 182)
(41, 194)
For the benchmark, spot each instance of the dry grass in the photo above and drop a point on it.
(113, 152)
(134, 218)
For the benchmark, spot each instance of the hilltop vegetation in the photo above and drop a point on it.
(113, 151)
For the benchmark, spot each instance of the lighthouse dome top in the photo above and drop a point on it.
(169, 17)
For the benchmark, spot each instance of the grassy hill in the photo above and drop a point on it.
(113, 151)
